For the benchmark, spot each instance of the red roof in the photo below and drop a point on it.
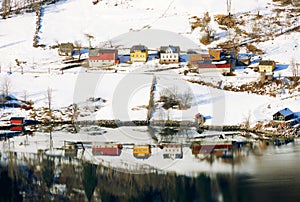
(211, 66)
(103, 56)
(16, 121)
(113, 151)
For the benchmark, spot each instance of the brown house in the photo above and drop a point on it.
(66, 49)
(194, 58)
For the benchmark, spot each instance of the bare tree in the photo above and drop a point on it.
(247, 119)
(75, 113)
(6, 8)
(294, 68)
(25, 95)
(209, 33)
(78, 46)
(186, 99)
(5, 86)
(256, 28)
(49, 98)
(89, 37)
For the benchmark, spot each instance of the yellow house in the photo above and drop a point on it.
(141, 151)
(266, 65)
(138, 53)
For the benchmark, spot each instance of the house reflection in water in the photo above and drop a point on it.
(108, 149)
(142, 151)
(172, 151)
(223, 149)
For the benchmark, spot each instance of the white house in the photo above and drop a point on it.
(169, 54)
(172, 151)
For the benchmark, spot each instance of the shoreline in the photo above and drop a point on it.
(157, 123)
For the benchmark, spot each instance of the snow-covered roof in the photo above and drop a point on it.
(96, 51)
(169, 49)
(266, 62)
(138, 48)
(285, 112)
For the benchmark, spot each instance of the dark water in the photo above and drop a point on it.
(270, 173)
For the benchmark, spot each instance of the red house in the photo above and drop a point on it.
(16, 128)
(99, 57)
(16, 121)
(210, 147)
(106, 149)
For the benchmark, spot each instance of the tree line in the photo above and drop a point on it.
(10, 7)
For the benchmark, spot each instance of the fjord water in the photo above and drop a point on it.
(268, 174)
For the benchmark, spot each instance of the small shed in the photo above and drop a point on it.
(66, 49)
(283, 115)
(266, 65)
(266, 76)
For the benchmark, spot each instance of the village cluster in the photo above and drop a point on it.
(216, 59)
(220, 148)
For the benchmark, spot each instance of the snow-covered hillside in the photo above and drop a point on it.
(70, 21)
(121, 23)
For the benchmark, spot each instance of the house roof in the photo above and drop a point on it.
(96, 51)
(66, 45)
(17, 118)
(138, 48)
(285, 112)
(170, 48)
(196, 57)
(173, 145)
(266, 62)
(13, 103)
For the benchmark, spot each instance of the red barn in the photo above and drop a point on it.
(99, 57)
(107, 149)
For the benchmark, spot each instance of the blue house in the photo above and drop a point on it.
(283, 115)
